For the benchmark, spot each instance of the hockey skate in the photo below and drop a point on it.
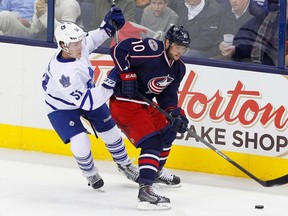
(150, 200)
(95, 181)
(163, 177)
(130, 171)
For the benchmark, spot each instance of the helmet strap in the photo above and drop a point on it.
(64, 47)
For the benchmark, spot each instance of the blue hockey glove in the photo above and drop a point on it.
(180, 122)
(129, 84)
(117, 18)
(113, 20)
(110, 81)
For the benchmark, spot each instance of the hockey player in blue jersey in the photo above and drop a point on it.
(153, 68)
(70, 94)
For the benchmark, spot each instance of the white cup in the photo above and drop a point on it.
(228, 39)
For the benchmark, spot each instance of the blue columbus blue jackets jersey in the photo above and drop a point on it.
(157, 77)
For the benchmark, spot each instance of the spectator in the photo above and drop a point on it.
(15, 15)
(175, 5)
(87, 7)
(257, 40)
(158, 17)
(265, 47)
(244, 39)
(65, 11)
(224, 3)
(201, 18)
(139, 7)
(233, 19)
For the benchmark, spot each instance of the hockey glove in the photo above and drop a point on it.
(113, 20)
(110, 81)
(180, 122)
(129, 84)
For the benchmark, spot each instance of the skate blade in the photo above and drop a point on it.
(163, 185)
(148, 206)
(100, 189)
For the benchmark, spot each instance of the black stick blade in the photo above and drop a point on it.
(276, 182)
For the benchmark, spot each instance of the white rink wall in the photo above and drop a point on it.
(21, 93)
(232, 109)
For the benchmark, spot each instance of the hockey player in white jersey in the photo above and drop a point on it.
(70, 94)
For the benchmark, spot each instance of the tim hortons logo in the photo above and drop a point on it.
(219, 108)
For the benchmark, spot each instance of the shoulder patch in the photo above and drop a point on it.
(153, 44)
(65, 81)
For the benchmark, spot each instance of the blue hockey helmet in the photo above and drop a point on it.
(178, 35)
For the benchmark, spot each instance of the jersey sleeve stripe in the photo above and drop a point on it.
(147, 56)
(50, 105)
(86, 97)
(61, 100)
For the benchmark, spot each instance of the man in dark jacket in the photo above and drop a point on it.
(201, 18)
(232, 20)
(257, 40)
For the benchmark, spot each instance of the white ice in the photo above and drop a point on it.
(39, 184)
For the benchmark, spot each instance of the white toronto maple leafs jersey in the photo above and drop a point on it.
(68, 83)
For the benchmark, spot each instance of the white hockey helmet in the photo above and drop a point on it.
(68, 32)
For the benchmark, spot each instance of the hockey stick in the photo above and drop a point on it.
(116, 37)
(89, 124)
(269, 183)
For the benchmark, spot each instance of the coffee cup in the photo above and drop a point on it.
(228, 39)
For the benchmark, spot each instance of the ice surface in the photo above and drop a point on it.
(39, 184)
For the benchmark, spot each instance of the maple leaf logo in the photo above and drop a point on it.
(65, 81)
